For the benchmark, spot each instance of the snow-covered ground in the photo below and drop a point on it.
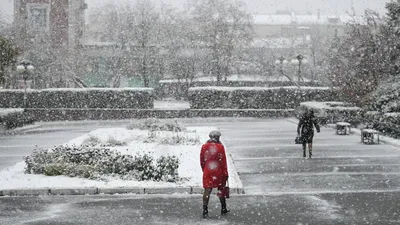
(188, 154)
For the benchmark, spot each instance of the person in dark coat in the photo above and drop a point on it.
(215, 170)
(305, 129)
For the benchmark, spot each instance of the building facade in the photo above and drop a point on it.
(61, 21)
(49, 33)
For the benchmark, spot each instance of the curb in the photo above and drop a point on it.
(108, 191)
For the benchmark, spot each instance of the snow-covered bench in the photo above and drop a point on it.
(343, 128)
(369, 136)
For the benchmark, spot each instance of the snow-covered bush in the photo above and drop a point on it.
(166, 132)
(98, 163)
(387, 123)
(16, 119)
(154, 124)
(257, 97)
(167, 168)
(93, 141)
(387, 97)
(133, 98)
(112, 142)
(173, 138)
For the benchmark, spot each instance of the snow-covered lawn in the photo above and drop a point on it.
(128, 142)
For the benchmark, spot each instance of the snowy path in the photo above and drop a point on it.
(269, 163)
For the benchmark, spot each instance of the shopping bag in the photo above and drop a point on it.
(223, 192)
(298, 140)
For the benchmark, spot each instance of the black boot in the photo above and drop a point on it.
(224, 211)
(304, 153)
(310, 154)
(205, 211)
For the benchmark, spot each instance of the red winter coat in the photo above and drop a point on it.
(213, 164)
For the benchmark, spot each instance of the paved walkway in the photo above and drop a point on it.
(345, 183)
(268, 162)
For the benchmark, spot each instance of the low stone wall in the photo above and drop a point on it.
(116, 114)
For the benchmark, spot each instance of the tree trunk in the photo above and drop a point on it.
(145, 78)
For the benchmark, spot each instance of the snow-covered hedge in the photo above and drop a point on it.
(387, 96)
(332, 112)
(95, 163)
(179, 89)
(117, 114)
(138, 98)
(387, 123)
(13, 118)
(257, 97)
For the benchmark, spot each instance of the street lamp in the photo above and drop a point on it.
(24, 68)
(298, 61)
(280, 62)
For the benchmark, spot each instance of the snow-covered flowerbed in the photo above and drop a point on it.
(154, 141)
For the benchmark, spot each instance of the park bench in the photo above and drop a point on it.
(369, 136)
(343, 128)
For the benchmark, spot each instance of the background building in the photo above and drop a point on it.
(61, 20)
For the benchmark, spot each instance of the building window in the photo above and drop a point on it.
(38, 16)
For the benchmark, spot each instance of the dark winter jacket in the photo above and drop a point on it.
(306, 125)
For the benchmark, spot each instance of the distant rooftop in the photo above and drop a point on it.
(286, 19)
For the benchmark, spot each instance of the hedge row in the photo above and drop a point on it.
(141, 98)
(115, 114)
(179, 90)
(332, 112)
(257, 97)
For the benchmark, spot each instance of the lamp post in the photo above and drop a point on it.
(24, 68)
(280, 62)
(298, 61)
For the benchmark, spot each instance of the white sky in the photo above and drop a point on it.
(257, 6)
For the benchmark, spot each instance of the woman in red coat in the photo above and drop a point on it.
(215, 170)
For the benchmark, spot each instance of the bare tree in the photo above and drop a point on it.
(223, 27)
(136, 29)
